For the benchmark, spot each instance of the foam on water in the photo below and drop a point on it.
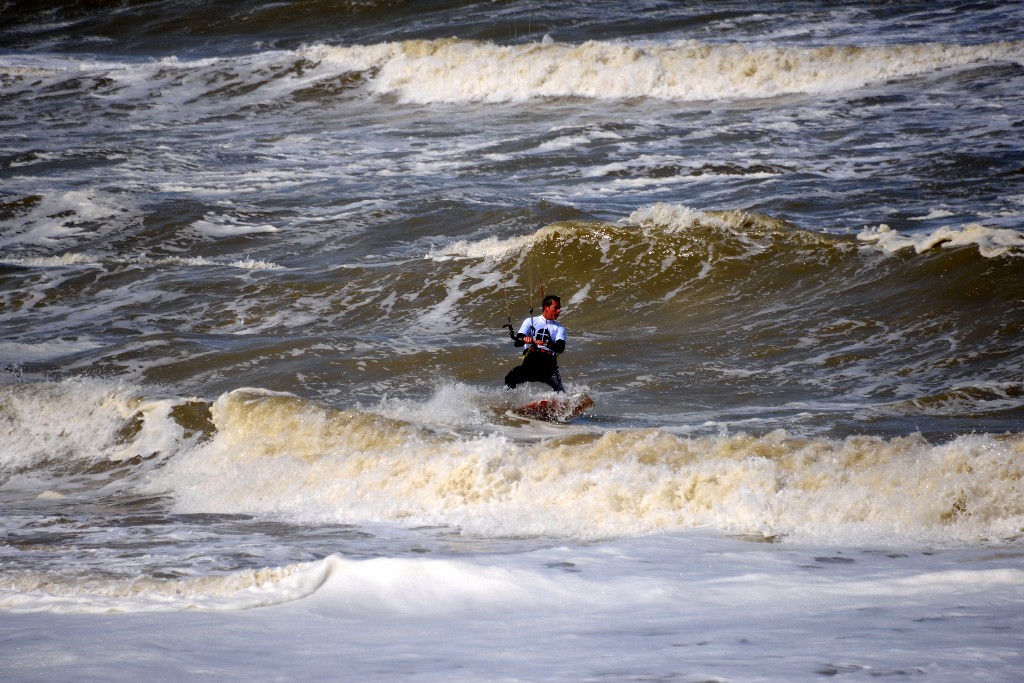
(16, 353)
(805, 456)
(60, 220)
(378, 588)
(658, 219)
(990, 242)
(460, 71)
(34, 592)
(457, 405)
(275, 455)
(77, 259)
(230, 227)
(454, 70)
(662, 607)
(680, 218)
(67, 427)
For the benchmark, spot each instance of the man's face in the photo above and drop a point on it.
(552, 310)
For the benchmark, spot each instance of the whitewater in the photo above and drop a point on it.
(255, 260)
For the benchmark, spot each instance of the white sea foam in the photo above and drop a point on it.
(283, 457)
(674, 217)
(237, 591)
(15, 352)
(488, 248)
(77, 259)
(991, 242)
(690, 606)
(452, 404)
(201, 261)
(661, 217)
(60, 219)
(74, 423)
(68, 259)
(230, 226)
(460, 71)
(435, 588)
(356, 184)
(933, 214)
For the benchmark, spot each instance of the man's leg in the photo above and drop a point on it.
(515, 377)
(555, 381)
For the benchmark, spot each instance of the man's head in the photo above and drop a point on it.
(552, 307)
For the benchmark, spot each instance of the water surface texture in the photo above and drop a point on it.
(255, 260)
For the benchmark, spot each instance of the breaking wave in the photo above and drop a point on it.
(277, 456)
(459, 71)
(468, 71)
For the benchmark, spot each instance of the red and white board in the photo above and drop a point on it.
(555, 409)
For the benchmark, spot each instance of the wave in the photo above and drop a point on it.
(277, 456)
(682, 260)
(470, 71)
(80, 426)
(461, 71)
(831, 317)
(280, 456)
(419, 588)
(972, 399)
(390, 587)
(53, 592)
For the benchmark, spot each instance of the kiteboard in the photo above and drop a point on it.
(555, 409)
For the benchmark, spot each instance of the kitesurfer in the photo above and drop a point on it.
(544, 338)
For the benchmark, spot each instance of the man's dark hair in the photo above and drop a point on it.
(549, 298)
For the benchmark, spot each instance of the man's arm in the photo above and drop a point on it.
(558, 346)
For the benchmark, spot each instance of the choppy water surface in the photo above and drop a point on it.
(255, 259)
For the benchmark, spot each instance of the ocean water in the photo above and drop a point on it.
(255, 260)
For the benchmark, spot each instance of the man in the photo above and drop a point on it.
(544, 338)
